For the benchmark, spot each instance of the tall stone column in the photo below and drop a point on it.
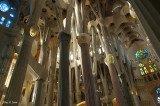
(90, 94)
(136, 100)
(70, 87)
(77, 78)
(38, 92)
(52, 75)
(126, 90)
(44, 84)
(95, 62)
(43, 59)
(14, 90)
(123, 74)
(94, 50)
(112, 70)
(16, 83)
(63, 81)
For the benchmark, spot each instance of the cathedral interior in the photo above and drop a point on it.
(79, 53)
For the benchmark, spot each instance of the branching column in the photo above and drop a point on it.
(42, 60)
(14, 90)
(110, 63)
(123, 71)
(90, 94)
(16, 83)
(135, 97)
(78, 98)
(77, 78)
(95, 62)
(63, 83)
(52, 75)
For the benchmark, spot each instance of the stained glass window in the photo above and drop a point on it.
(145, 70)
(4, 7)
(2, 20)
(158, 90)
(158, 100)
(151, 68)
(12, 15)
(13, 8)
(155, 67)
(141, 64)
(80, 80)
(8, 23)
(142, 72)
(141, 54)
(150, 61)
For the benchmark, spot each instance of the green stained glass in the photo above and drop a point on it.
(151, 68)
(145, 70)
(142, 72)
(155, 67)
(141, 54)
(141, 64)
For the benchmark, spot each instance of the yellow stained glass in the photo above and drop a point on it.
(142, 72)
(151, 68)
(145, 70)
(141, 64)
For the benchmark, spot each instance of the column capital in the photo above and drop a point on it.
(83, 38)
(109, 59)
(92, 24)
(64, 37)
(33, 30)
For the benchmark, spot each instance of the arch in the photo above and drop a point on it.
(155, 77)
(149, 78)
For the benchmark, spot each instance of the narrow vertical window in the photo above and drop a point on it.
(142, 72)
(2, 20)
(158, 100)
(8, 23)
(12, 15)
(146, 71)
(151, 68)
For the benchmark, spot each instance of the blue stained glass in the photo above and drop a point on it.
(141, 54)
(2, 20)
(4, 6)
(158, 90)
(80, 80)
(158, 100)
(12, 8)
(12, 15)
(8, 23)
